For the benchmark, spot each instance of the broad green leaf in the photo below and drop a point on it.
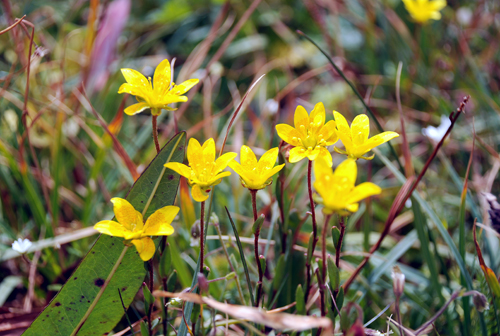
(156, 188)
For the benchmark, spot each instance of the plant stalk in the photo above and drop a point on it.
(202, 229)
(253, 192)
(339, 245)
(314, 225)
(155, 133)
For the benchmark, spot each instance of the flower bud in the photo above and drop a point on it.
(398, 279)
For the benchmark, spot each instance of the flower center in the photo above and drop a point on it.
(309, 141)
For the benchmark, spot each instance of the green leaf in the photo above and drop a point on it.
(333, 274)
(258, 224)
(78, 301)
(279, 272)
(165, 262)
(300, 299)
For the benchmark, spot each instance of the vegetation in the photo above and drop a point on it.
(252, 167)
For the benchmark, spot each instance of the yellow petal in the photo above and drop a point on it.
(162, 77)
(296, 154)
(318, 115)
(322, 168)
(239, 169)
(267, 160)
(376, 141)
(111, 228)
(247, 157)
(352, 207)
(343, 130)
(126, 215)
(136, 108)
(437, 5)
(328, 133)
(179, 168)
(132, 89)
(325, 155)
(301, 118)
(194, 152)
(171, 98)
(136, 78)
(360, 129)
(273, 171)
(347, 170)
(289, 134)
(146, 248)
(198, 194)
(363, 191)
(184, 87)
(208, 149)
(312, 155)
(222, 162)
(216, 179)
(158, 224)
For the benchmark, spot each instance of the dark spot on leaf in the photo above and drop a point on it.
(75, 278)
(58, 304)
(170, 177)
(99, 282)
(181, 148)
(124, 289)
(83, 297)
(93, 252)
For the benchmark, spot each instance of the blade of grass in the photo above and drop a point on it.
(242, 255)
(461, 239)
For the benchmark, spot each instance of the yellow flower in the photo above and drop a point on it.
(130, 225)
(154, 95)
(256, 175)
(424, 10)
(203, 171)
(336, 189)
(310, 136)
(355, 139)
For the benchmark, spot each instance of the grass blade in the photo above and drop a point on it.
(242, 254)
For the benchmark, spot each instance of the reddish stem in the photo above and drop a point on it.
(202, 230)
(155, 133)
(253, 192)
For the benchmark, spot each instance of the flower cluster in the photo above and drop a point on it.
(309, 138)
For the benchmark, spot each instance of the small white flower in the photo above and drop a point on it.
(464, 16)
(408, 203)
(437, 133)
(21, 245)
(271, 106)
